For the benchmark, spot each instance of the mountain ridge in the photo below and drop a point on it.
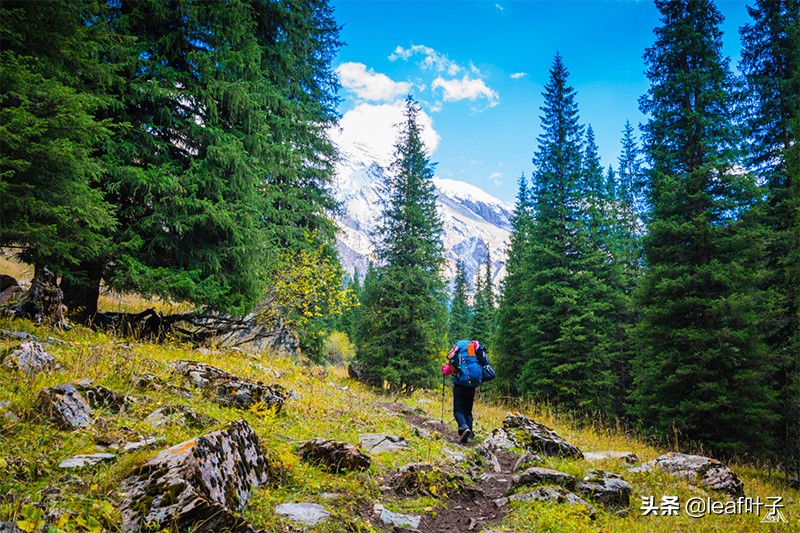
(473, 220)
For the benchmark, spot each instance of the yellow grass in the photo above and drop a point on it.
(331, 406)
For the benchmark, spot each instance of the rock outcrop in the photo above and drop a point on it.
(242, 394)
(100, 397)
(64, 406)
(196, 485)
(30, 358)
(530, 435)
(609, 489)
(334, 456)
(230, 390)
(704, 471)
(543, 476)
(549, 495)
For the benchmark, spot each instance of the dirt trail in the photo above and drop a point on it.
(464, 512)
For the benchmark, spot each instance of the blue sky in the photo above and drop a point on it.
(478, 69)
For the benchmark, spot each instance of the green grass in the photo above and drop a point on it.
(84, 500)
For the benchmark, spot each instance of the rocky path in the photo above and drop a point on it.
(466, 512)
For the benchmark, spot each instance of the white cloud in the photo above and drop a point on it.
(466, 89)
(431, 59)
(518, 75)
(498, 6)
(369, 85)
(495, 178)
(375, 128)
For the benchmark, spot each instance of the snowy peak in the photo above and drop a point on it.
(474, 221)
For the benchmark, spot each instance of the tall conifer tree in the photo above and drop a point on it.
(771, 64)
(460, 310)
(512, 317)
(483, 324)
(405, 307)
(55, 88)
(565, 350)
(700, 366)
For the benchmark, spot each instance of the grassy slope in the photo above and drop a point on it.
(32, 449)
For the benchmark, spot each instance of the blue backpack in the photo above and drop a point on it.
(469, 370)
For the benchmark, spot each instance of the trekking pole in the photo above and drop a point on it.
(442, 418)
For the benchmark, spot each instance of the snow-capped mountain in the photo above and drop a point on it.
(473, 219)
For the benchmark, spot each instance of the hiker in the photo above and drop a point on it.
(466, 363)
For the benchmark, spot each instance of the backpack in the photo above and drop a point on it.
(469, 370)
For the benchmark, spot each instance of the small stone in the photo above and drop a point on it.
(178, 414)
(422, 433)
(396, 519)
(628, 457)
(379, 443)
(527, 459)
(308, 514)
(455, 456)
(139, 444)
(80, 461)
(201, 374)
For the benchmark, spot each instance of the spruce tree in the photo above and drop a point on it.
(700, 366)
(566, 357)
(483, 324)
(54, 93)
(512, 317)
(460, 310)
(771, 67)
(221, 161)
(405, 315)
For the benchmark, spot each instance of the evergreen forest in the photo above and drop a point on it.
(181, 150)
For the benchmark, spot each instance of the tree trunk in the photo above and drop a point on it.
(81, 296)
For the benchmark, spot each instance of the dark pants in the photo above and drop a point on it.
(463, 398)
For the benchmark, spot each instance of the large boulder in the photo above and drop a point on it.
(196, 485)
(30, 358)
(607, 488)
(334, 456)
(536, 475)
(537, 438)
(704, 471)
(64, 406)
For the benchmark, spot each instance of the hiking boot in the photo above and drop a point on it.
(466, 436)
